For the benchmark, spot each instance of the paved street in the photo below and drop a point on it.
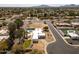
(60, 47)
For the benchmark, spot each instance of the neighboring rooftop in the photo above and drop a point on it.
(3, 31)
(72, 33)
(4, 34)
(75, 23)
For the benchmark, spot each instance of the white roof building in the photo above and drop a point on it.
(3, 34)
(4, 37)
(72, 34)
(3, 31)
(75, 23)
(37, 33)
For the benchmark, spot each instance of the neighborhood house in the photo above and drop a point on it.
(72, 34)
(4, 34)
(37, 34)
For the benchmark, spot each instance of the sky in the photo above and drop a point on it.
(28, 3)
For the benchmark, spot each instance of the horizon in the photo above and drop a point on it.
(32, 5)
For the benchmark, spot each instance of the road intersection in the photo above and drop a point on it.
(60, 46)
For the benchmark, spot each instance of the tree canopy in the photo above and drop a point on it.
(18, 22)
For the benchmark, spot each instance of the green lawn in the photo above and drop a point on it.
(27, 43)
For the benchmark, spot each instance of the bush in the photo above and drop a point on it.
(3, 45)
(17, 48)
(4, 23)
(45, 28)
(28, 50)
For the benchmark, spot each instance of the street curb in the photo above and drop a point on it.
(55, 40)
(50, 42)
(66, 41)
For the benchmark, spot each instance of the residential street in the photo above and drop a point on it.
(59, 47)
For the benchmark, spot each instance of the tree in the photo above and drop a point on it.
(19, 23)
(20, 34)
(72, 13)
(45, 14)
(12, 28)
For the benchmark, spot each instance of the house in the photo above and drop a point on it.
(77, 17)
(68, 17)
(63, 24)
(75, 24)
(4, 34)
(73, 34)
(38, 34)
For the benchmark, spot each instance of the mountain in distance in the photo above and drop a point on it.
(42, 6)
(47, 6)
(70, 5)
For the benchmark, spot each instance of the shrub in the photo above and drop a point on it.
(3, 45)
(17, 48)
(45, 28)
